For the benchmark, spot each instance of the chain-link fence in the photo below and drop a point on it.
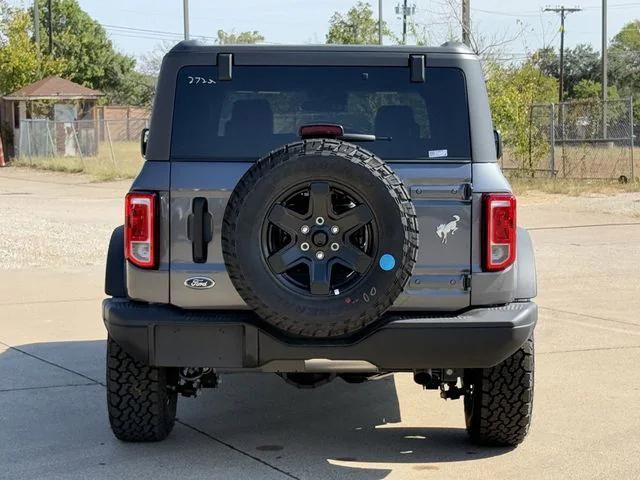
(82, 145)
(580, 140)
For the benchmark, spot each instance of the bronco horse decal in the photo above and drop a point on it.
(445, 229)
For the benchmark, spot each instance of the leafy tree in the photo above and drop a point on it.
(512, 89)
(587, 89)
(20, 62)
(88, 55)
(358, 26)
(151, 61)
(624, 54)
(580, 63)
(230, 38)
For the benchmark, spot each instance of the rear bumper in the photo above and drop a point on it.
(162, 335)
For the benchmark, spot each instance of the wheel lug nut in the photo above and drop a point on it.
(305, 229)
(335, 229)
(304, 247)
(335, 247)
(320, 221)
(319, 254)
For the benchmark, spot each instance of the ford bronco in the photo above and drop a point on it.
(320, 212)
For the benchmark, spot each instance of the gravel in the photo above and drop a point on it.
(62, 221)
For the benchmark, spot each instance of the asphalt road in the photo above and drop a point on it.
(53, 423)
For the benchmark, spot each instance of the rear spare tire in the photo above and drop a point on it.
(319, 238)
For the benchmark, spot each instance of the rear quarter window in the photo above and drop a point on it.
(263, 108)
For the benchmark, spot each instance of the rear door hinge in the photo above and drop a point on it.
(466, 282)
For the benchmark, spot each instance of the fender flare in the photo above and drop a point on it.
(115, 283)
(526, 277)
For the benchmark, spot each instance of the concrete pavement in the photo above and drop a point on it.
(53, 420)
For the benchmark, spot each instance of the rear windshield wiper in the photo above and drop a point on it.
(337, 131)
(363, 137)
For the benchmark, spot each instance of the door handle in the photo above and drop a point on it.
(199, 229)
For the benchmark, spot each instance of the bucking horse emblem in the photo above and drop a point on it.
(444, 230)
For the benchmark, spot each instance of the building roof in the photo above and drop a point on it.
(52, 88)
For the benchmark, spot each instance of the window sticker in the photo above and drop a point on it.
(438, 153)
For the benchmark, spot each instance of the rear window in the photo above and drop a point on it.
(262, 108)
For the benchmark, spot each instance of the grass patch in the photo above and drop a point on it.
(125, 162)
(571, 187)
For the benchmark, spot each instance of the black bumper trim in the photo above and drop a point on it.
(163, 335)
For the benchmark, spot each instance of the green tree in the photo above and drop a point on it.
(587, 89)
(512, 90)
(88, 55)
(358, 26)
(624, 55)
(580, 63)
(20, 62)
(233, 38)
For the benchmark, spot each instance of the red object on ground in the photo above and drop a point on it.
(2, 163)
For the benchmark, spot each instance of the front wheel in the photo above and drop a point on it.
(499, 400)
(140, 402)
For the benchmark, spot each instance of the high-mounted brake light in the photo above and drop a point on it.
(500, 230)
(140, 229)
(321, 131)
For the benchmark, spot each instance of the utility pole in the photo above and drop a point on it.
(405, 11)
(380, 22)
(404, 23)
(36, 24)
(604, 67)
(563, 11)
(50, 22)
(185, 15)
(466, 22)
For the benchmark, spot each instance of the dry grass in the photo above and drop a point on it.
(571, 187)
(580, 162)
(125, 163)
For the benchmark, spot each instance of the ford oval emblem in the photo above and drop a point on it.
(199, 283)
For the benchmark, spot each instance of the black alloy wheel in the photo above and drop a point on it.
(320, 238)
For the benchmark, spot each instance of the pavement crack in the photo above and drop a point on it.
(34, 302)
(595, 349)
(594, 225)
(195, 429)
(45, 387)
(53, 364)
(236, 449)
(594, 317)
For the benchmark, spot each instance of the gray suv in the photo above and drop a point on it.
(320, 212)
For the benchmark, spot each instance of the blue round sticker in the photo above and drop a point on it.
(387, 262)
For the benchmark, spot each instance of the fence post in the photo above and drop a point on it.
(53, 145)
(75, 135)
(633, 175)
(29, 142)
(553, 139)
(113, 157)
(562, 133)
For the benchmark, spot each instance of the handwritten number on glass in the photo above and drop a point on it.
(200, 81)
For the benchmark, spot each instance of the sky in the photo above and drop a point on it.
(137, 26)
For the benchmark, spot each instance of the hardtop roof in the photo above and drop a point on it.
(196, 46)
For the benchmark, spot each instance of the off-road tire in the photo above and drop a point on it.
(141, 408)
(331, 316)
(498, 409)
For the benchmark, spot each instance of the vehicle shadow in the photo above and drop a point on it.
(338, 430)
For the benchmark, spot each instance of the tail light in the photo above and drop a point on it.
(500, 230)
(140, 243)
